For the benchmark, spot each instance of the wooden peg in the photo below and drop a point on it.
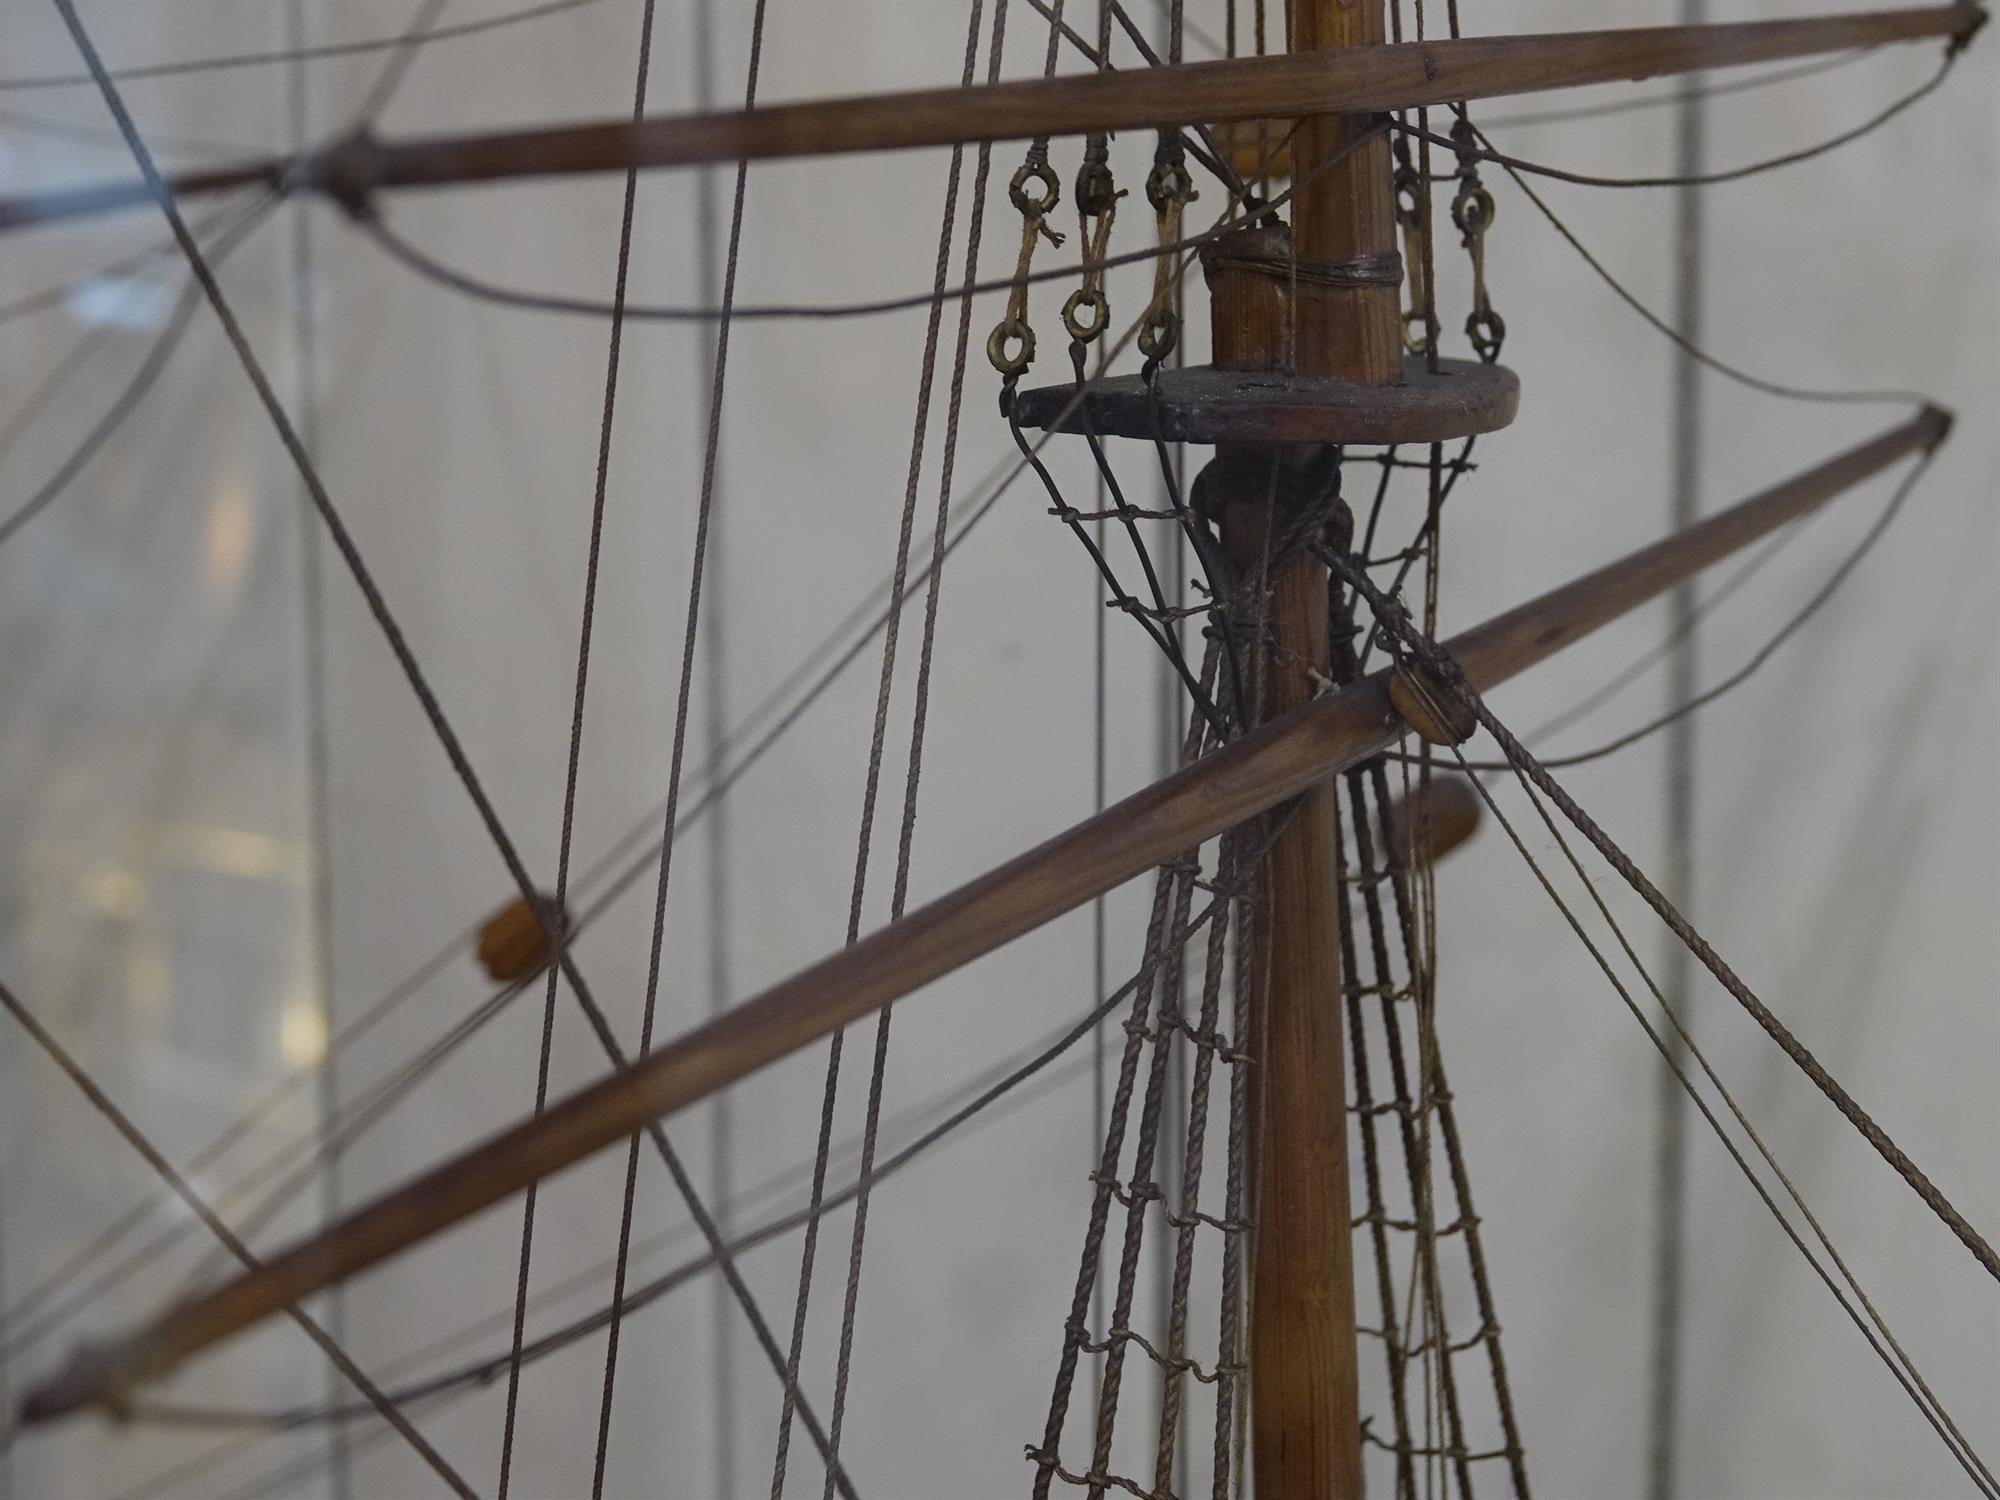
(1429, 708)
(1249, 302)
(1433, 819)
(513, 945)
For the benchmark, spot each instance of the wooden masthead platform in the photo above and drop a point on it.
(1202, 404)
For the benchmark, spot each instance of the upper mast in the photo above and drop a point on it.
(1342, 318)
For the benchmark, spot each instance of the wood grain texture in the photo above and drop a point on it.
(1344, 211)
(1523, 636)
(1296, 751)
(1305, 1368)
(1357, 80)
(1433, 818)
(26, 210)
(1245, 302)
(514, 943)
(1201, 404)
(1351, 81)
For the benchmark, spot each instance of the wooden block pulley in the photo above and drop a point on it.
(1435, 712)
(513, 944)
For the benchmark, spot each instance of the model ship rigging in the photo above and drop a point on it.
(1327, 337)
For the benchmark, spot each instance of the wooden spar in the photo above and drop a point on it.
(1282, 758)
(1354, 80)
(1505, 644)
(58, 204)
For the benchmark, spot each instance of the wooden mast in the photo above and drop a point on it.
(1304, 1366)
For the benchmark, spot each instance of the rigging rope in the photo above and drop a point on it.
(1672, 335)
(1438, 664)
(1208, 150)
(899, 895)
(967, 294)
(1791, 627)
(185, 1191)
(1900, 1365)
(412, 670)
(991, 489)
(1731, 174)
(1475, 1253)
(423, 264)
(362, 1110)
(572, 777)
(717, 683)
(469, 1380)
(128, 400)
(1670, 1207)
(1661, 649)
(1046, 1457)
(1364, 1107)
(389, 82)
(1683, 94)
(466, 1379)
(880, 1055)
(298, 54)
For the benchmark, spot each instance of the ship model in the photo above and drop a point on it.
(1282, 1279)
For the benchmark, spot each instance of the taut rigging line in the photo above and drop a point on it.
(1255, 773)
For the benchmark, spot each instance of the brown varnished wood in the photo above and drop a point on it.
(1251, 395)
(1344, 210)
(1305, 1376)
(1304, 1366)
(1202, 404)
(1430, 709)
(57, 204)
(514, 943)
(1245, 303)
(1433, 818)
(1305, 1371)
(1361, 80)
(1356, 80)
(1282, 758)
(1515, 640)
